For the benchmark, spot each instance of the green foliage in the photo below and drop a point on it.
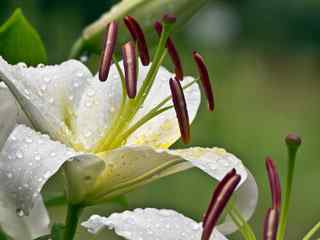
(3, 236)
(20, 42)
(57, 231)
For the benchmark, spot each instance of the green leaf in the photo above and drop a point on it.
(145, 11)
(20, 42)
(57, 231)
(3, 236)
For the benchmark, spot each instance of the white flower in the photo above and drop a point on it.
(76, 124)
(150, 224)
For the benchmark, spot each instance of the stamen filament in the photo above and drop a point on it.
(123, 82)
(117, 142)
(312, 232)
(238, 219)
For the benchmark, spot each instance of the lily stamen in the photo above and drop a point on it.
(205, 80)
(274, 182)
(271, 224)
(219, 200)
(180, 106)
(130, 68)
(173, 53)
(138, 36)
(107, 52)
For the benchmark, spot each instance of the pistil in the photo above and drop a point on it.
(293, 142)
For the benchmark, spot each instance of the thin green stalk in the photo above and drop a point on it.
(293, 143)
(312, 232)
(55, 200)
(138, 124)
(73, 215)
(245, 228)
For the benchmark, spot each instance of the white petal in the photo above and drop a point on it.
(8, 114)
(97, 107)
(150, 224)
(28, 159)
(129, 167)
(23, 227)
(163, 130)
(46, 93)
(246, 201)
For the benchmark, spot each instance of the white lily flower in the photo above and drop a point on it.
(106, 144)
(74, 108)
(150, 224)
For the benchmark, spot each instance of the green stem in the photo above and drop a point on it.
(312, 232)
(55, 199)
(77, 48)
(244, 228)
(286, 200)
(73, 214)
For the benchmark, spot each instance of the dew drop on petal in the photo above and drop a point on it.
(19, 212)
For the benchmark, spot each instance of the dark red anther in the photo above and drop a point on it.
(204, 77)
(172, 52)
(169, 18)
(130, 68)
(180, 106)
(220, 198)
(108, 48)
(271, 222)
(274, 182)
(138, 36)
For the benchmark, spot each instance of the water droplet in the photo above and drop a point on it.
(51, 100)
(91, 92)
(20, 212)
(84, 58)
(88, 104)
(43, 87)
(53, 154)
(195, 226)
(9, 175)
(76, 84)
(40, 65)
(28, 140)
(80, 74)
(47, 79)
(165, 213)
(19, 155)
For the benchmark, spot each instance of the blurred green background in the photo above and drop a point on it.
(264, 59)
